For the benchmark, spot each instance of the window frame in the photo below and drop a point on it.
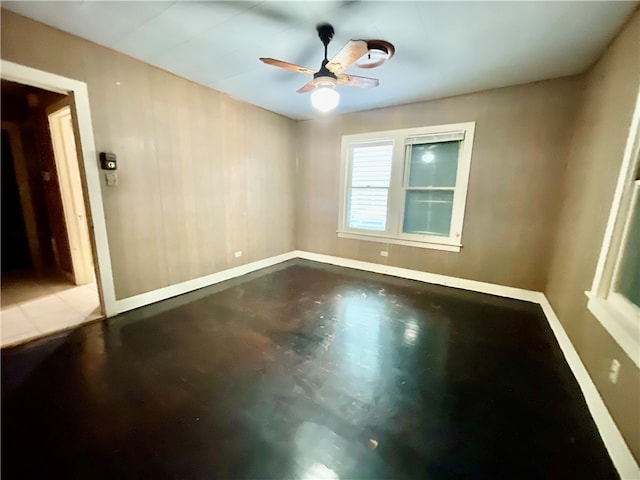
(398, 185)
(619, 316)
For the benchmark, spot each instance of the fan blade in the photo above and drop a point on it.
(306, 87)
(287, 65)
(356, 81)
(352, 51)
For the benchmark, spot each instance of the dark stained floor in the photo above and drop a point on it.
(302, 371)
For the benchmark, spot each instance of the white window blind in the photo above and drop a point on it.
(435, 138)
(370, 176)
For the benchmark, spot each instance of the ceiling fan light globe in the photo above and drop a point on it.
(325, 98)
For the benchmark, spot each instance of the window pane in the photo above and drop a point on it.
(371, 166)
(428, 212)
(434, 164)
(368, 208)
(629, 279)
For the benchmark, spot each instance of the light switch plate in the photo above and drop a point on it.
(111, 178)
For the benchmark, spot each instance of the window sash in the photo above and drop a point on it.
(614, 294)
(417, 140)
(350, 210)
(346, 201)
(417, 235)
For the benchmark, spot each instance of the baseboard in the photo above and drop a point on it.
(148, 298)
(447, 281)
(620, 453)
(616, 446)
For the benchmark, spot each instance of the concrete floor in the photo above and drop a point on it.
(302, 371)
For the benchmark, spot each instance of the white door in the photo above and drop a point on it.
(64, 149)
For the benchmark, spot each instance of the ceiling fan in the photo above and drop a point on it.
(364, 53)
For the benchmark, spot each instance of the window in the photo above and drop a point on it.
(614, 298)
(369, 186)
(406, 186)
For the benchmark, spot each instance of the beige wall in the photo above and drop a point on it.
(602, 126)
(201, 175)
(519, 154)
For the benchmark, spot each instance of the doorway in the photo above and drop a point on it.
(48, 280)
(15, 252)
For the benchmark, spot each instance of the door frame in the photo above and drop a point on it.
(89, 171)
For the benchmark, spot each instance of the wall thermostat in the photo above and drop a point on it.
(108, 161)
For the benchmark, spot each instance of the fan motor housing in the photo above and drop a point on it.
(324, 80)
(324, 75)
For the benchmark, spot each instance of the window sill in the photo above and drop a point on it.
(623, 330)
(448, 247)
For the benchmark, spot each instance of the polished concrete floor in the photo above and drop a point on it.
(302, 371)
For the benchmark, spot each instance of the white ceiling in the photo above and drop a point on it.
(442, 48)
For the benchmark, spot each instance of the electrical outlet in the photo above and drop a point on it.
(238, 254)
(384, 253)
(614, 370)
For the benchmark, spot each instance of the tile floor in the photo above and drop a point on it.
(35, 305)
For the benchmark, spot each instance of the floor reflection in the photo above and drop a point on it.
(411, 330)
(360, 346)
(318, 471)
(318, 452)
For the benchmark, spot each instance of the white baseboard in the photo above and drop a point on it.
(618, 450)
(462, 283)
(616, 446)
(148, 298)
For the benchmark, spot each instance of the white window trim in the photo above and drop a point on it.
(396, 201)
(618, 316)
